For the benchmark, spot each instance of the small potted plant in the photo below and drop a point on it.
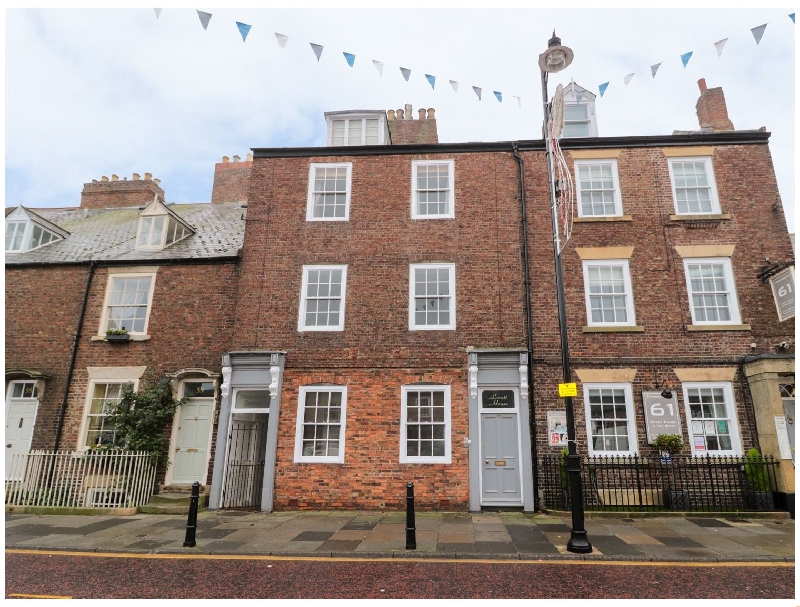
(758, 494)
(117, 335)
(669, 445)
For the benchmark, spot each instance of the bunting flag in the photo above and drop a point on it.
(204, 19)
(685, 57)
(654, 69)
(791, 16)
(499, 96)
(628, 79)
(432, 80)
(719, 45)
(758, 32)
(244, 29)
(317, 48)
(603, 88)
(350, 58)
(378, 66)
(406, 73)
(454, 84)
(519, 101)
(477, 92)
(158, 13)
(281, 39)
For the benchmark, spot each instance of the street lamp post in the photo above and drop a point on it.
(555, 59)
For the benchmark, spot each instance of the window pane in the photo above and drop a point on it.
(321, 419)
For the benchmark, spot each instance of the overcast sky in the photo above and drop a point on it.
(95, 92)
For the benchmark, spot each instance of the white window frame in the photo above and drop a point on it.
(633, 443)
(626, 275)
(82, 437)
(22, 382)
(301, 322)
(451, 199)
(733, 421)
(425, 459)
(412, 325)
(730, 284)
(312, 171)
(615, 178)
(380, 118)
(712, 184)
(107, 300)
(26, 227)
(298, 440)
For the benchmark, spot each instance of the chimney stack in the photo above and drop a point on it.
(712, 112)
(405, 130)
(118, 194)
(231, 180)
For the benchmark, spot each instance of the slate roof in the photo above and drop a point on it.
(110, 235)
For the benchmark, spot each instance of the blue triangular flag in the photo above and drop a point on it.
(158, 13)
(654, 69)
(317, 48)
(432, 80)
(204, 18)
(791, 16)
(499, 96)
(758, 32)
(477, 91)
(350, 58)
(406, 73)
(603, 88)
(685, 57)
(244, 29)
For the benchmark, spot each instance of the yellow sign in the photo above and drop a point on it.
(565, 390)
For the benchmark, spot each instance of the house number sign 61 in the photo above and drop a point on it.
(661, 415)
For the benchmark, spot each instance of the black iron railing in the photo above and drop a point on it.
(635, 483)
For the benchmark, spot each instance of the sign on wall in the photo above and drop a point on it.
(661, 415)
(498, 399)
(557, 428)
(783, 291)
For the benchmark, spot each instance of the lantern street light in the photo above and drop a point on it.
(555, 59)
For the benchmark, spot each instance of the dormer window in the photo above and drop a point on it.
(361, 128)
(159, 228)
(580, 119)
(26, 231)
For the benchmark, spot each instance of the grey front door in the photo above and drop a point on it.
(500, 461)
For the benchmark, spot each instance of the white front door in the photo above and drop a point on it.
(20, 419)
(500, 457)
(192, 439)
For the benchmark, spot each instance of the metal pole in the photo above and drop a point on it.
(191, 523)
(411, 529)
(578, 541)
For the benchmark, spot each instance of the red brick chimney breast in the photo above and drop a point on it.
(116, 194)
(711, 108)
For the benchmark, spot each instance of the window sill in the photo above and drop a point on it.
(598, 219)
(619, 329)
(130, 338)
(701, 217)
(718, 328)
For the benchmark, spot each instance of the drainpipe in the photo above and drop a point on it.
(528, 315)
(71, 368)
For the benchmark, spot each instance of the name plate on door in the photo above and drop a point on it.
(498, 399)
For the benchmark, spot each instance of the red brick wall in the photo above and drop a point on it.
(231, 182)
(120, 194)
(410, 131)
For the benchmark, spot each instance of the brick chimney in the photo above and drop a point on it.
(403, 129)
(711, 109)
(115, 194)
(231, 180)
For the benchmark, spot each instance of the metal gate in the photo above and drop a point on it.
(244, 471)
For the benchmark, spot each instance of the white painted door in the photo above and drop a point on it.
(191, 443)
(500, 459)
(20, 419)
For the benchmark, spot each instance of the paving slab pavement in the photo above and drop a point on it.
(512, 535)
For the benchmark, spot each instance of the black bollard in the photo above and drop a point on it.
(191, 523)
(411, 529)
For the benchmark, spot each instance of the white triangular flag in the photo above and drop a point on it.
(654, 69)
(758, 32)
(406, 72)
(158, 12)
(519, 101)
(477, 90)
(628, 79)
(454, 84)
(378, 66)
(317, 48)
(204, 18)
(281, 39)
(720, 44)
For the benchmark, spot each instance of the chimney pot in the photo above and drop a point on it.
(135, 177)
(421, 114)
(148, 176)
(390, 114)
(104, 178)
(249, 158)
(702, 84)
(400, 115)
(431, 114)
(94, 180)
(225, 159)
(114, 177)
(156, 181)
(236, 158)
(408, 114)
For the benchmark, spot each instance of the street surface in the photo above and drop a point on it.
(35, 574)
